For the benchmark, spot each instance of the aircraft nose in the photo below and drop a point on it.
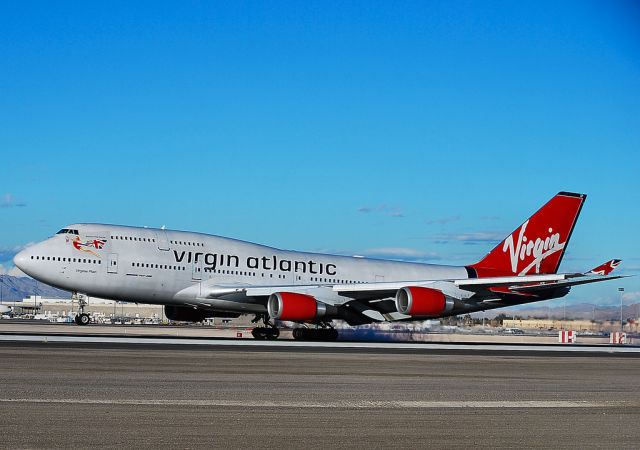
(21, 260)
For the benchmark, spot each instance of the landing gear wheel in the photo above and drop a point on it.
(257, 333)
(315, 334)
(273, 333)
(331, 334)
(83, 319)
(270, 333)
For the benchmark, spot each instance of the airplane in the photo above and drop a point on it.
(198, 276)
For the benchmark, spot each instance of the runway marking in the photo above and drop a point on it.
(310, 344)
(346, 404)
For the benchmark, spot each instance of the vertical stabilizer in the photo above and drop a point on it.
(536, 246)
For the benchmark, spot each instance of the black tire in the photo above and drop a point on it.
(259, 333)
(272, 333)
(315, 334)
(84, 319)
(331, 334)
(76, 319)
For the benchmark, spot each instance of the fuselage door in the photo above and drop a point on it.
(112, 267)
(161, 240)
(197, 268)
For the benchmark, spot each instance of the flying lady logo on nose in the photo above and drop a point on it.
(86, 246)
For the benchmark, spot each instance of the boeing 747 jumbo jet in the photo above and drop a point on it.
(197, 276)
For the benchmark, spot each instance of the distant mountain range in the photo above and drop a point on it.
(18, 288)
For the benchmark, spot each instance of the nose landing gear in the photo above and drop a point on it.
(81, 318)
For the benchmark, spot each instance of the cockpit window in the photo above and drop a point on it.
(67, 231)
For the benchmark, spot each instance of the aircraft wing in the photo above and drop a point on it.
(478, 288)
(376, 301)
(471, 285)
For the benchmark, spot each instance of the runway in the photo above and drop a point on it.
(291, 345)
(213, 396)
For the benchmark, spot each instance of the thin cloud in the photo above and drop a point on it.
(9, 201)
(632, 296)
(570, 257)
(442, 220)
(400, 253)
(7, 253)
(12, 271)
(481, 237)
(387, 210)
(630, 268)
(395, 253)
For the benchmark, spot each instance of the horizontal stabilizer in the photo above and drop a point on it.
(606, 268)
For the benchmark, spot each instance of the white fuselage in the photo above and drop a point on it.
(166, 267)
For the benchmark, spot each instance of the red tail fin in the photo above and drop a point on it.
(536, 246)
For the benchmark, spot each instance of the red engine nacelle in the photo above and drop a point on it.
(295, 307)
(421, 301)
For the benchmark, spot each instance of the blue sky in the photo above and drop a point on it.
(417, 130)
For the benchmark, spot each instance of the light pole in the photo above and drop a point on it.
(621, 290)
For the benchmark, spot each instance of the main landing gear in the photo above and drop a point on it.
(325, 333)
(322, 332)
(81, 318)
(268, 331)
(265, 333)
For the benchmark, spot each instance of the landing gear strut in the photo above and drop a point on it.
(325, 333)
(81, 318)
(268, 331)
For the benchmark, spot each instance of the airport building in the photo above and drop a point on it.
(577, 325)
(551, 324)
(102, 311)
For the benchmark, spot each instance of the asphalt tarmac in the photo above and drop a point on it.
(159, 396)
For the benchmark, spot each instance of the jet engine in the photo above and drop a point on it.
(298, 307)
(421, 301)
(188, 314)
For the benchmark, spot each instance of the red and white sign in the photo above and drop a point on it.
(567, 337)
(618, 338)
